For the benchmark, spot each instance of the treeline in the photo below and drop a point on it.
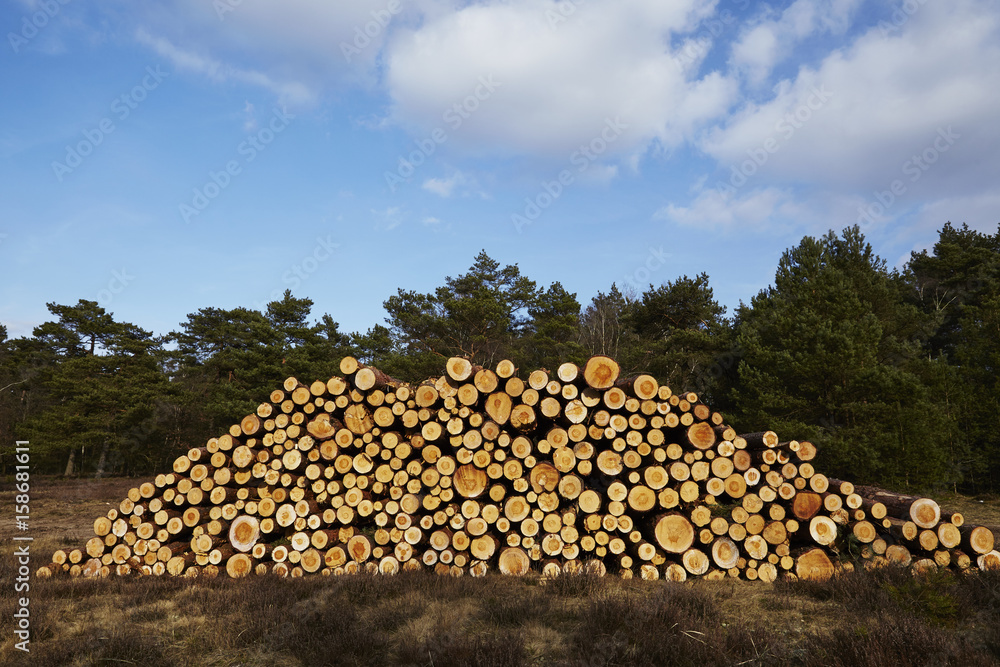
(892, 373)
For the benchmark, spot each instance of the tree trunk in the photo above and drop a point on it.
(102, 460)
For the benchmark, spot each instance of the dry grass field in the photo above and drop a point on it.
(881, 618)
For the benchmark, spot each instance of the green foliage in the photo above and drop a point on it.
(227, 360)
(553, 330)
(488, 314)
(959, 286)
(681, 334)
(931, 596)
(99, 380)
(479, 314)
(833, 352)
(893, 374)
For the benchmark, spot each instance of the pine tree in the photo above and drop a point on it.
(101, 380)
(833, 353)
(683, 336)
(225, 360)
(553, 332)
(479, 314)
(958, 285)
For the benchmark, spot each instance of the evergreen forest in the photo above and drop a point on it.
(892, 373)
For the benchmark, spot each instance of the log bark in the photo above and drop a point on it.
(924, 512)
(367, 378)
(760, 440)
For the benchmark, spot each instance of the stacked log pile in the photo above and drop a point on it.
(573, 471)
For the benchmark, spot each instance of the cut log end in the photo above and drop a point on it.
(925, 513)
(701, 435)
(239, 565)
(814, 565)
(470, 481)
(244, 532)
(459, 369)
(601, 372)
(674, 533)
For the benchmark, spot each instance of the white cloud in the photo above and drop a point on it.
(555, 85)
(769, 41)
(759, 208)
(444, 187)
(890, 97)
(290, 92)
(551, 85)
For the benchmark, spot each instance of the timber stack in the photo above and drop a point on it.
(481, 469)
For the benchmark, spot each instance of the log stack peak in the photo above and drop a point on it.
(576, 470)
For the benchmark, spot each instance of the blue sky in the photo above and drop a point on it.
(164, 157)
